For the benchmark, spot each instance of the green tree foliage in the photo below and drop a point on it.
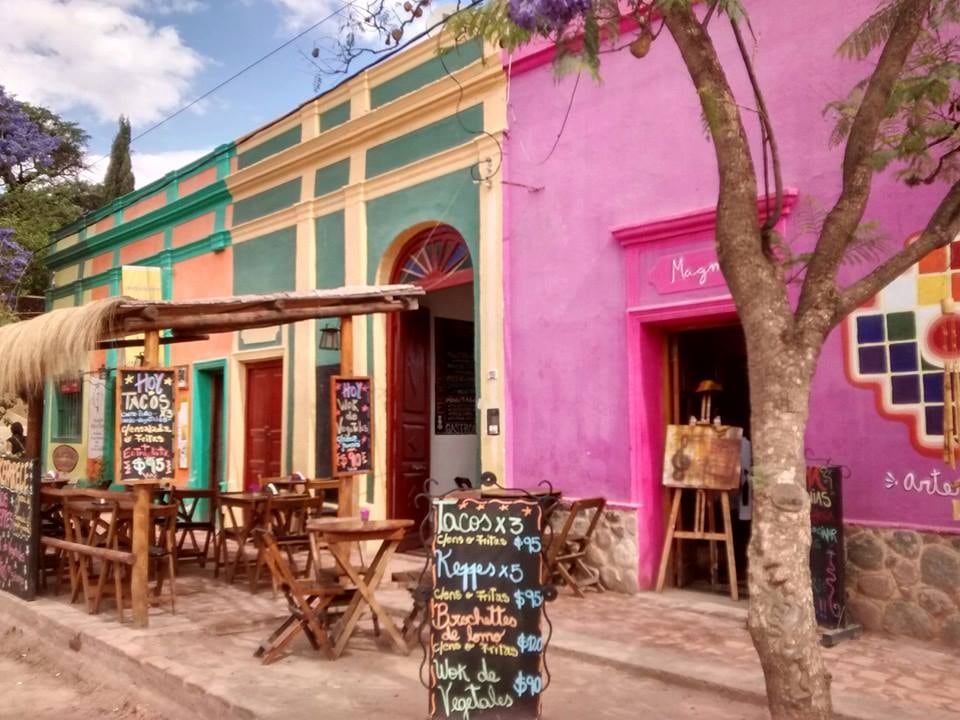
(920, 132)
(119, 178)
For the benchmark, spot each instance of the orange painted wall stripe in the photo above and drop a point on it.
(193, 230)
(140, 249)
(157, 200)
(195, 182)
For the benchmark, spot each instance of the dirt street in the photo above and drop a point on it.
(31, 686)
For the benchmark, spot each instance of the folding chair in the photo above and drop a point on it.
(286, 517)
(163, 550)
(307, 599)
(568, 547)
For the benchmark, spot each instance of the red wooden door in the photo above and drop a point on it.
(410, 384)
(264, 422)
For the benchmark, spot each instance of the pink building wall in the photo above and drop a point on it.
(633, 152)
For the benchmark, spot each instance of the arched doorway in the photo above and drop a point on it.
(432, 393)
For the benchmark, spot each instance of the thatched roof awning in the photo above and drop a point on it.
(57, 342)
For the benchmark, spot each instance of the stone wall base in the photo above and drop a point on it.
(904, 582)
(613, 551)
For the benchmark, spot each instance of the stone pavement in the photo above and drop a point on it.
(609, 658)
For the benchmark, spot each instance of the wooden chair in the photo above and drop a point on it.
(189, 525)
(109, 568)
(568, 547)
(287, 517)
(309, 601)
(329, 490)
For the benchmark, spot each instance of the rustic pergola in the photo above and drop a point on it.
(110, 323)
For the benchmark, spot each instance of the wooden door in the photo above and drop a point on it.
(410, 386)
(264, 422)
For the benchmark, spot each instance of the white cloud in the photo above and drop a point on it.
(147, 166)
(301, 14)
(98, 55)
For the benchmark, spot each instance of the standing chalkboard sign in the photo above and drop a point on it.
(19, 526)
(145, 408)
(826, 548)
(351, 413)
(486, 610)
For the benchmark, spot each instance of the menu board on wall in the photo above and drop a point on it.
(826, 547)
(486, 610)
(351, 413)
(145, 408)
(19, 526)
(455, 392)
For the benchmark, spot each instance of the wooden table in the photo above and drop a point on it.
(340, 535)
(253, 507)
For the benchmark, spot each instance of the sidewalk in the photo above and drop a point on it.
(605, 649)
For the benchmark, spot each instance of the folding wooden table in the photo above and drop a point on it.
(339, 535)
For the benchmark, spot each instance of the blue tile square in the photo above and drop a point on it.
(903, 357)
(934, 419)
(933, 387)
(870, 329)
(873, 359)
(906, 389)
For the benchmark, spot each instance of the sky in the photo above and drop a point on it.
(93, 60)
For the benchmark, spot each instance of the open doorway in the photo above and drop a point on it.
(715, 354)
(432, 393)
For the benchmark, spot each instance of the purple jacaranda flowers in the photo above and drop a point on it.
(545, 14)
(21, 139)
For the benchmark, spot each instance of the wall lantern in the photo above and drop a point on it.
(330, 338)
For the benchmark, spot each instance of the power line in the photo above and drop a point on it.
(233, 77)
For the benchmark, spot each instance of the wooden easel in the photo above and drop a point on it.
(703, 529)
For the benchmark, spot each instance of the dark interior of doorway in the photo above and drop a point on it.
(718, 354)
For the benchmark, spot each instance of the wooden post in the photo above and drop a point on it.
(139, 581)
(34, 424)
(151, 348)
(349, 496)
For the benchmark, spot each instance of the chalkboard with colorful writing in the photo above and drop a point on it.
(145, 407)
(19, 526)
(351, 413)
(487, 635)
(826, 548)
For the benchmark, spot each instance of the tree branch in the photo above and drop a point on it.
(819, 285)
(746, 269)
(942, 228)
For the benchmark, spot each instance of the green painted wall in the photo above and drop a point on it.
(337, 115)
(332, 177)
(452, 199)
(455, 58)
(269, 201)
(428, 140)
(266, 264)
(330, 271)
(288, 138)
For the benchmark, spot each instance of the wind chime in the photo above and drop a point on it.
(944, 335)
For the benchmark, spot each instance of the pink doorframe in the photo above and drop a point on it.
(646, 384)
(656, 304)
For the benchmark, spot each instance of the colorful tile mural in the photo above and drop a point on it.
(888, 346)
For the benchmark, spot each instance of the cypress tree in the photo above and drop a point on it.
(119, 178)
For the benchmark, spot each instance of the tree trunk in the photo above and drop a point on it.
(781, 616)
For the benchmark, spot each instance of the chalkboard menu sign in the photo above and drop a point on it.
(145, 406)
(455, 395)
(826, 548)
(19, 526)
(486, 610)
(351, 411)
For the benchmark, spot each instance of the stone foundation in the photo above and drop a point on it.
(904, 582)
(613, 551)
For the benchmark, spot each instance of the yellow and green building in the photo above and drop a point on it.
(388, 177)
